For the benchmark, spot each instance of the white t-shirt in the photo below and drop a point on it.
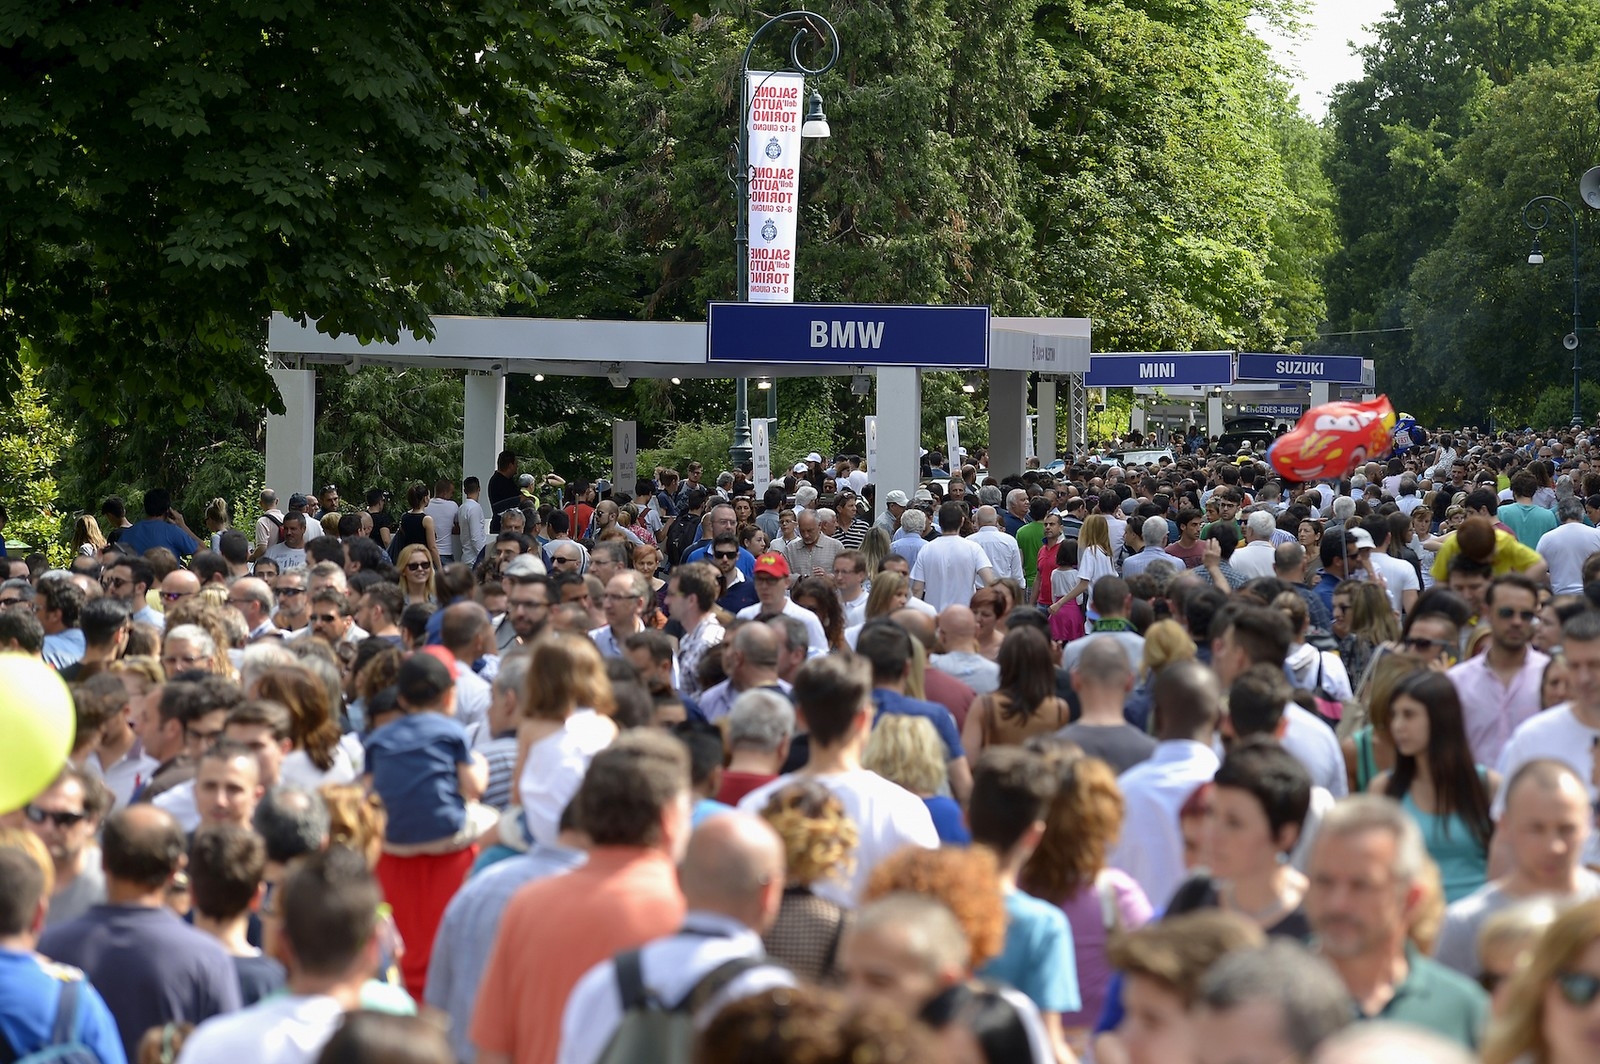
(473, 695)
(948, 569)
(1565, 548)
(1557, 735)
(815, 635)
(443, 512)
(855, 613)
(1398, 577)
(179, 802)
(1317, 748)
(300, 770)
(276, 1030)
(1254, 559)
(554, 769)
(286, 556)
(886, 815)
(974, 670)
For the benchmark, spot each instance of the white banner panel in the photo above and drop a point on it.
(772, 110)
(872, 448)
(624, 455)
(760, 454)
(952, 442)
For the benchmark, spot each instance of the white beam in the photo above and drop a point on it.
(899, 430)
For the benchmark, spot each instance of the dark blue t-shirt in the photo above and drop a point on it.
(149, 966)
(155, 532)
(258, 977)
(413, 762)
(30, 988)
(888, 701)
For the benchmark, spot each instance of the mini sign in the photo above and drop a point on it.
(1147, 369)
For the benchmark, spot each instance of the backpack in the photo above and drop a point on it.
(277, 529)
(657, 1033)
(64, 1047)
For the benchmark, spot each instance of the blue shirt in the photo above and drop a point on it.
(412, 762)
(64, 648)
(149, 966)
(701, 552)
(157, 532)
(947, 820)
(1326, 582)
(30, 988)
(888, 701)
(1038, 959)
(705, 809)
(467, 933)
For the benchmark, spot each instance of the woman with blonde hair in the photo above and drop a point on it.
(890, 592)
(216, 517)
(1549, 1007)
(318, 756)
(566, 720)
(819, 842)
(87, 539)
(907, 750)
(1368, 750)
(417, 573)
(356, 819)
(1165, 642)
(1069, 869)
(1095, 554)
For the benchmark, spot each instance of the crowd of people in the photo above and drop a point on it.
(1170, 763)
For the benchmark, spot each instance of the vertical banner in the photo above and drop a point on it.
(760, 453)
(624, 455)
(952, 442)
(1030, 448)
(772, 126)
(872, 448)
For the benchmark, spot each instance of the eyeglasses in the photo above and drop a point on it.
(288, 592)
(515, 605)
(328, 490)
(1578, 989)
(207, 738)
(174, 596)
(186, 662)
(12, 601)
(1505, 613)
(1421, 645)
(325, 618)
(419, 567)
(725, 554)
(59, 819)
(115, 581)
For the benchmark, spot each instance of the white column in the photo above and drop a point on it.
(899, 429)
(1044, 444)
(1008, 420)
(483, 433)
(1136, 419)
(1320, 392)
(290, 439)
(1213, 415)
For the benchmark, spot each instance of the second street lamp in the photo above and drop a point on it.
(809, 29)
(1536, 216)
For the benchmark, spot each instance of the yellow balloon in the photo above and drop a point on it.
(36, 723)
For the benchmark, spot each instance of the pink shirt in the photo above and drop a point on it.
(1492, 710)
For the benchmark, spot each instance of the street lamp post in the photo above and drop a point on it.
(1536, 216)
(806, 25)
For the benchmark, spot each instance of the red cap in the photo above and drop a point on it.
(772, 565)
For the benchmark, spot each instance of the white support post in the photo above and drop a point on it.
(1213, 416)
(1008, 420)
(290, 436)
(483, 433)
(1321, 392)
(1136, 419)
(899, 429)
(1044, 444)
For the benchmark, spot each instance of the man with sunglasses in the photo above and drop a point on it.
(294, 608)
(1499, 689)
(66, 817)
(128, 580)
(1365, 892)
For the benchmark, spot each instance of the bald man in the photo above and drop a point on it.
(938, 685)
(732, 878)
(958, 635)
(177, 586)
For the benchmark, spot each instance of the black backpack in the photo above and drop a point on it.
(655, 1033)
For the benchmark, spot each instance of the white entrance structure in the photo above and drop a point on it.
(486, 349)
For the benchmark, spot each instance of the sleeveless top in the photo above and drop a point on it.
(411, 531)
(1463, 863)
(1366, 761)
(1001, 729)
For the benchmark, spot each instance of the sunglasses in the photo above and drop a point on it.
(288, 592)
(59, 819)
(113, 581)
(419, 567)
(174, 596)
(325, 618)
(558, 560)
(1505, 613)
(725, 554)
(1578, 989)
(1419, 644)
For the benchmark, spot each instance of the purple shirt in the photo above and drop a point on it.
(1492, 710)
(1086, 912)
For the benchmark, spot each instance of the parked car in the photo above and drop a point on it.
(1258, 430)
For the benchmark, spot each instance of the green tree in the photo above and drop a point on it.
(32, 442)
(174, 173)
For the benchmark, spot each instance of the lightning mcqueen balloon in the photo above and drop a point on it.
(1332, 439)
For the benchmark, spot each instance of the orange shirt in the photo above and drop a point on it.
(555, 930)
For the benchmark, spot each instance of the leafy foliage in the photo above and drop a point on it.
(31, 444)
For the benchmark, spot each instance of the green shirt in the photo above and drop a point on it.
(1437, 999)
(1030, 537)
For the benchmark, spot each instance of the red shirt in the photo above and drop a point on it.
(735, 785)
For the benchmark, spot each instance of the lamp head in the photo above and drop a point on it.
(815, 127)
(1536, 256)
